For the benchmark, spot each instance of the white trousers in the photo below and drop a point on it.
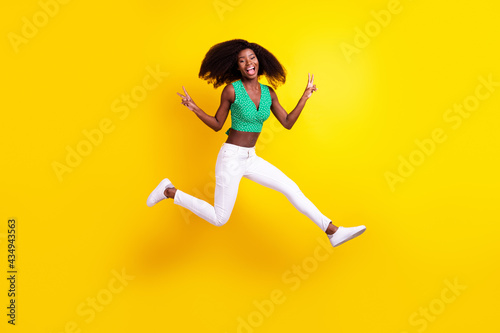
(234, 162)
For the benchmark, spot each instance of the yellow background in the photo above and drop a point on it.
(439, 226)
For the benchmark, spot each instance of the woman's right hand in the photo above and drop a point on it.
(188, 101)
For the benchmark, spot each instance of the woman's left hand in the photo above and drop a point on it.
(310, 86)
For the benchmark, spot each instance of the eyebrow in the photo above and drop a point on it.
(244, 56)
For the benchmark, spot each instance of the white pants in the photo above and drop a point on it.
(234, 162)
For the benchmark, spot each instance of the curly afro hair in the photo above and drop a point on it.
(220, 65)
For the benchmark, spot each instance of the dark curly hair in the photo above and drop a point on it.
(220, 65)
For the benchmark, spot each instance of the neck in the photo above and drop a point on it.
(251, 83)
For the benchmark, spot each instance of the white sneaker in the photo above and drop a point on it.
(342, 234)
(158, 193)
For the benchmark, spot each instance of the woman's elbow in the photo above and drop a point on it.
(217, 127)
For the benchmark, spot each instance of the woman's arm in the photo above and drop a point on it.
(289, 119)
(214, 122)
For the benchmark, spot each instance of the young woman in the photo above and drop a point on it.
(239, 64)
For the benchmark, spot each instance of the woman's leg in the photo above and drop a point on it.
(234, 163)
(264, 173)
(268, 175)
(228, 173)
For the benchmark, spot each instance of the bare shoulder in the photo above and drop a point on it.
(271, 91)
(228, 93)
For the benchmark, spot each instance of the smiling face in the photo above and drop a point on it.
(248, 64)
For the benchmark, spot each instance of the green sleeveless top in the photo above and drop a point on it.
(244, 114)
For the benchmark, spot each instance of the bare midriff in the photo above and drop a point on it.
(243, 139)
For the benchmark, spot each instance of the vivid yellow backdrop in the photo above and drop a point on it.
(387, 73)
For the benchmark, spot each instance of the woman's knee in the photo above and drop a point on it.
(221, 219)
(290, 189)
(295, 195)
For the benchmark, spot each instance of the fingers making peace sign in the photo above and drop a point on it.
(310, 86)
(187, 100)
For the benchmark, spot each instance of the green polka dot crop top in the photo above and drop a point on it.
(244, 114)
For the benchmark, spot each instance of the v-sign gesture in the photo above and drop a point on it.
(310, 86)
(188, 101)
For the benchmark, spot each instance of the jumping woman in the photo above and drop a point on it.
(239, 64)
